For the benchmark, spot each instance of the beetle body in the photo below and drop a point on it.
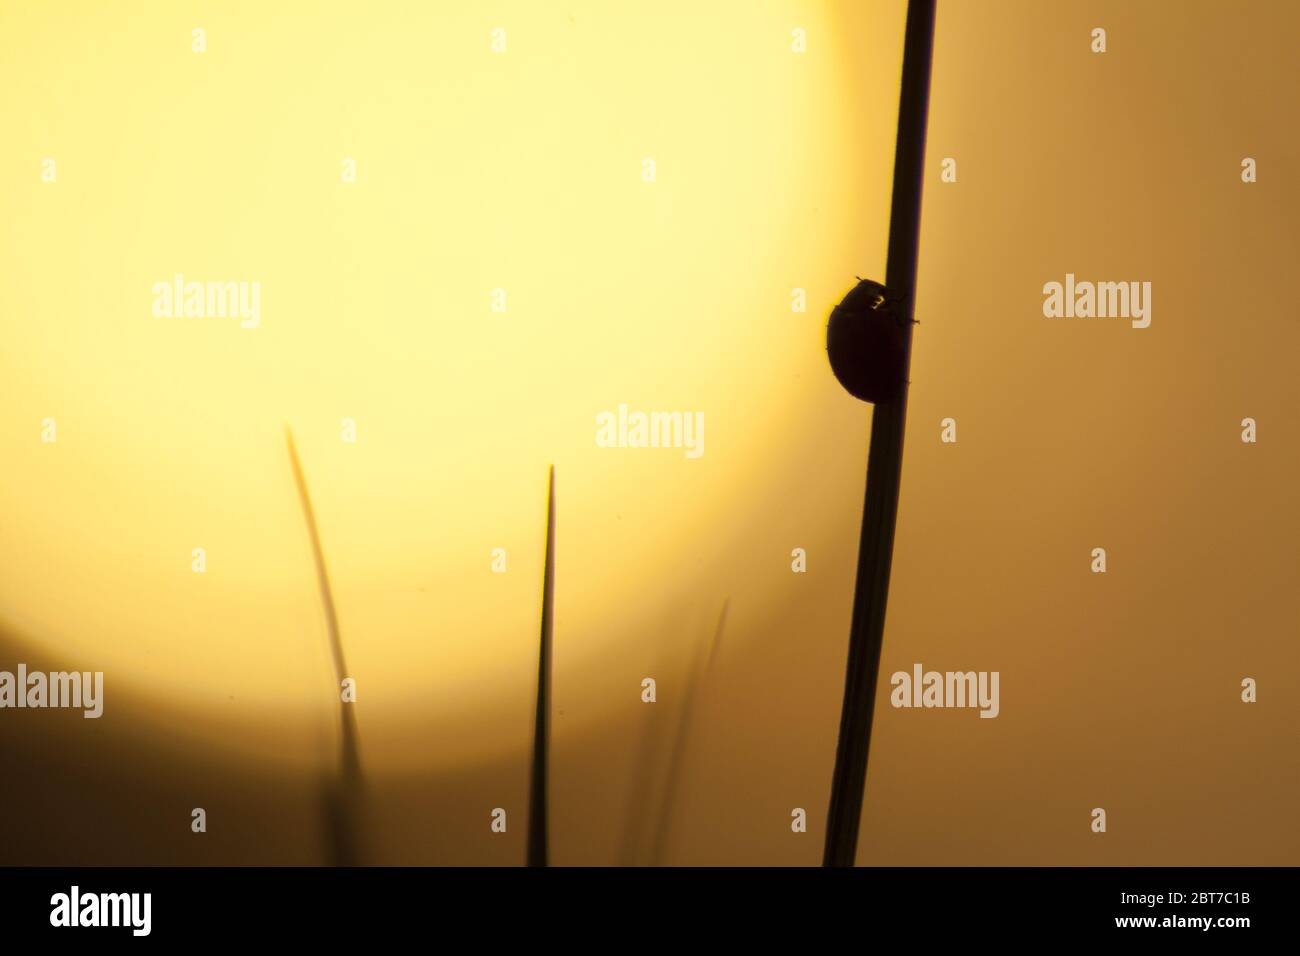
(867, 345)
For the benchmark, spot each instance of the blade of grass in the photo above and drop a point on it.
(646, 782)
(677, 757)
(342, 793)
(537, 810)
(885, 458)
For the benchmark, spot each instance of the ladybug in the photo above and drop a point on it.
(866, 343)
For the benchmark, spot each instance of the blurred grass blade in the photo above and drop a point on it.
(342, 793)
(646, 779)
(677, 757)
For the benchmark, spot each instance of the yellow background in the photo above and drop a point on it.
(522, 171)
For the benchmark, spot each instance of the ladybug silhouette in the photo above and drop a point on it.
(867, 345)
